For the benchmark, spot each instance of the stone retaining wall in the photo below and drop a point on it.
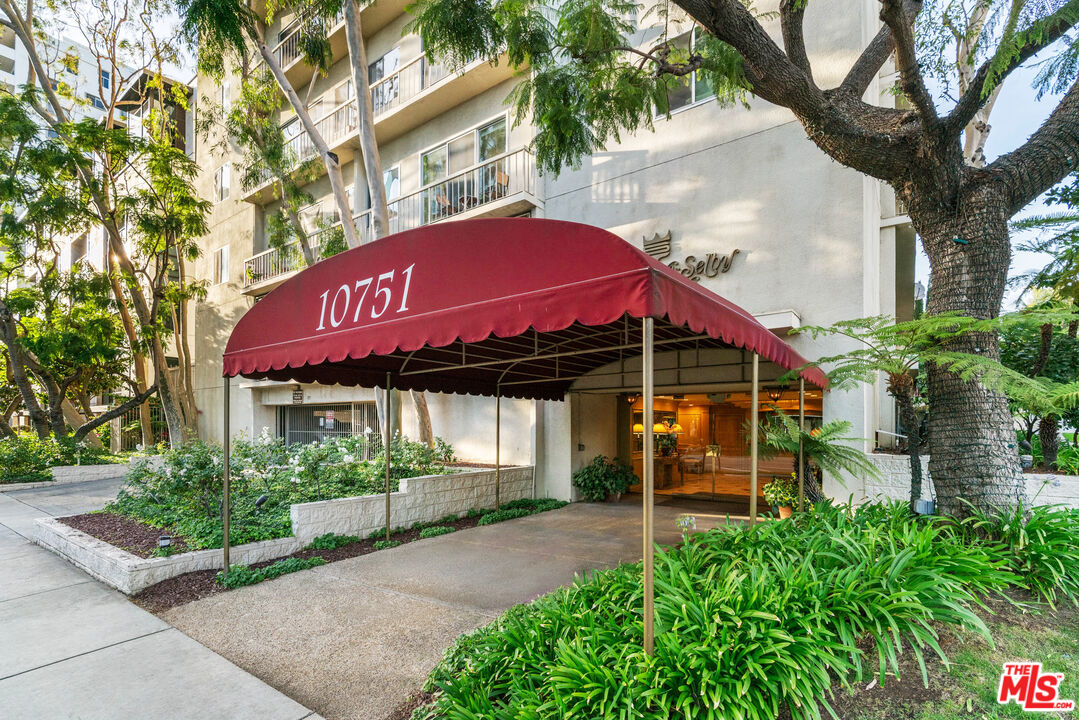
(130, 573)
(894, 483)
(420, 499)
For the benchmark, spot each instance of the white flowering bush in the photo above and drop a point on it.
(182, 491)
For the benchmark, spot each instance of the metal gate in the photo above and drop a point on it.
(312, 423)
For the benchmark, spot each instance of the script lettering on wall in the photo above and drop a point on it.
(694, 268)
(711, 265)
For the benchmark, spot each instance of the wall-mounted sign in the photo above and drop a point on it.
(297, 397)
(712, 264)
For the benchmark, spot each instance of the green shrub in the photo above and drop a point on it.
(181, 490)
(28, 458)
(1041, 546)
(782, 491)
(603, 477)
(748, 621)
(386, 544)
(435, 531)
(330, 541)
(504, 514)
(240, 575)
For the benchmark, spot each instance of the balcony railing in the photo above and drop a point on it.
(338, 124)
(405, 83)
(488, 182)
(289, 49)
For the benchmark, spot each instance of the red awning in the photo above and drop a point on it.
(522, 305)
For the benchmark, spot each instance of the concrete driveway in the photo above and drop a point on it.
(71, 647)
(354, 638)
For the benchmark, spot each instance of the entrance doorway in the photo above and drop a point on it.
(702, 443)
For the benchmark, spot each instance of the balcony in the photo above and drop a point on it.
(373, 17)
(500, 187)
(417, 92)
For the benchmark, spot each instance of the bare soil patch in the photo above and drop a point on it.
(131, 535)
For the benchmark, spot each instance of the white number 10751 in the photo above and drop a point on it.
(353, 297)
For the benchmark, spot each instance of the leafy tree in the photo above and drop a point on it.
(59, 330)
(132, 51)
(903, 353)
(224, 31)
(1021, 348)
(826, 449)
(589, 81)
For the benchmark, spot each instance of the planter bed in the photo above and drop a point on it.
(192, 586)
(88, 541)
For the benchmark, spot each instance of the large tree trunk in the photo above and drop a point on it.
(971, 435)
(1049, 434)
(372, 164)
(330, 160)
(914, 441)
(372, 161)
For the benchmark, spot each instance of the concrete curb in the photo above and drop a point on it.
(69, 474)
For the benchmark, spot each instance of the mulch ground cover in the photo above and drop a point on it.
(123, 532)
(188, 587)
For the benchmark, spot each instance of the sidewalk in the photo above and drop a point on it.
(73, 648)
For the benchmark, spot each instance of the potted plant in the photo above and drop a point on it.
(780, 493)
(604, 479)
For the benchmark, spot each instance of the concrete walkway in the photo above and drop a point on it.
(354, 638)
(71, 647)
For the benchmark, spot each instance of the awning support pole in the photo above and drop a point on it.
(226, 490)
(754, 426)
(801, 450)
(388, 441)
(498, 447)
(648, 469)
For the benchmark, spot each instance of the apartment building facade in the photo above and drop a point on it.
(739, 200)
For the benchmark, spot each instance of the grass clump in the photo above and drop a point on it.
(748, 620)
(435, 531)
(330, 541)
(503, 514)
(386, 544)
(241, 575)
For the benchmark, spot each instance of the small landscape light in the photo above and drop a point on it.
(261, 501)
(164, 541)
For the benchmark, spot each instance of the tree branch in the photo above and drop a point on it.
(1052, 28)
(869, 63)
(116, 412)
(896, 15)
(791, 17)
(1050, 154)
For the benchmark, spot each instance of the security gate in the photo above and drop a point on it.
(312, 423)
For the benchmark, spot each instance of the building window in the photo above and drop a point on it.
(224, 97)
(78, 250)
(106, 78)
(221, 265)
(385, 93)
(392, 180)
(95, 101)
(693, 89)
(221, 183)
(464, 151)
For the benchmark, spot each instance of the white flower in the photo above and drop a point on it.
(296, 479)
(349, 459)
(299, 468)
(367, 431)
